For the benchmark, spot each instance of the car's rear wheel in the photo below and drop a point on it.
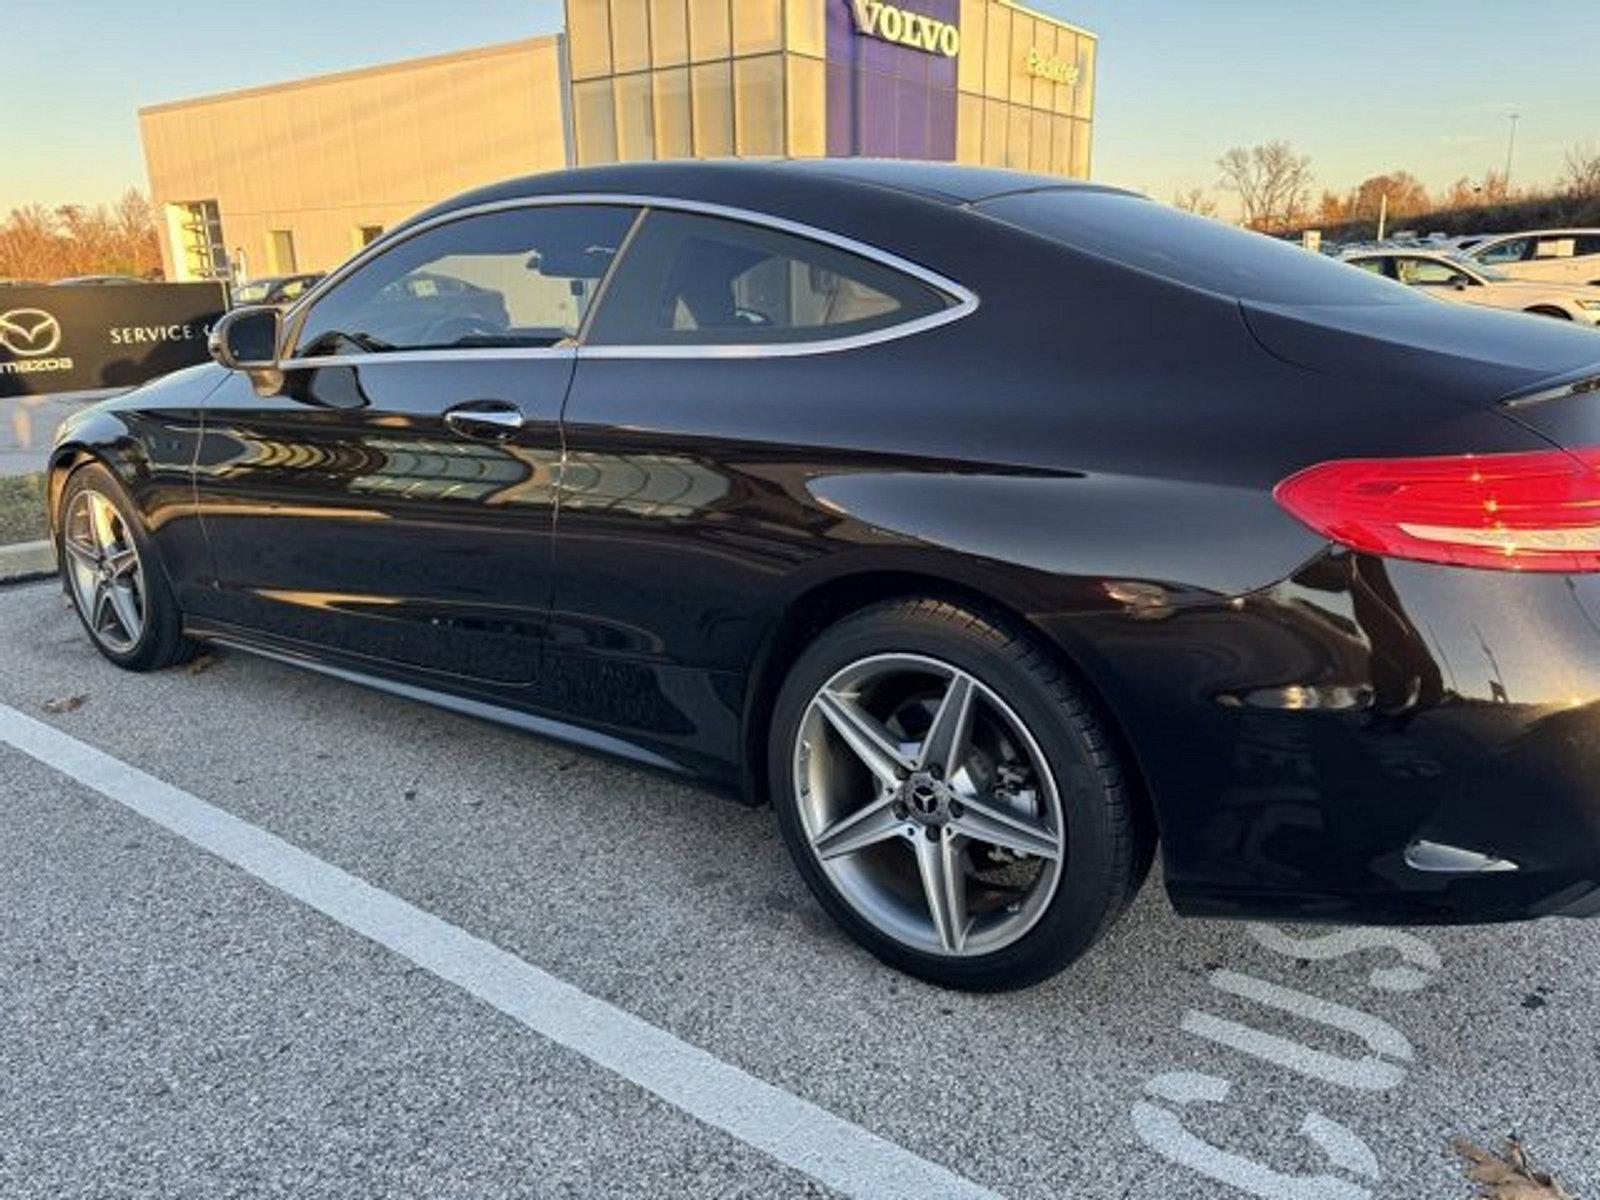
(110, 572)
(950, 797)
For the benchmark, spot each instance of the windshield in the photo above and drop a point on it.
(1197, 251)
(252, 293)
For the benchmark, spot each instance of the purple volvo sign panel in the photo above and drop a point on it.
(892, 78)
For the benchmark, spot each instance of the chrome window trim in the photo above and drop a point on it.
(443, 354)
(965, 301)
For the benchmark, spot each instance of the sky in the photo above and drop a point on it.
(1361, 86)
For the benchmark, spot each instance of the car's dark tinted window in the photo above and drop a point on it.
(1192, 250)
(689, 279)
(523, 277)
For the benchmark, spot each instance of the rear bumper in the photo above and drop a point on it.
(1370, 741)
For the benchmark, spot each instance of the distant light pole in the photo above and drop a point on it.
(1383, 213)
(1511, 147)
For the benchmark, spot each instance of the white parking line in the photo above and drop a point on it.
(795, 1132)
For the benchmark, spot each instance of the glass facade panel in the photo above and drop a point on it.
(757, 26)
(1019, 137)
(997, 55)
(1080, 150)
(594, 121)
(807, 107)
(709, 33)
(589, 38)
(674, 126)
(669, 33)
(1043, 43)
(970, 64)
(758, 105)
(711, 87)
(1043, 131)
(969, 128)
(636, 135)
(805, 28)
(1084, 106)
(1065, 98)
(994, 133)
(1061, 145)
(630, 35)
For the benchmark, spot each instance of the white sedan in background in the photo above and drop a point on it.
(1447, 277)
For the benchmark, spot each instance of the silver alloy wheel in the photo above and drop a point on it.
(929, 805)
(105, 572)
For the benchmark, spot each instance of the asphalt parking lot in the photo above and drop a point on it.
(552, 975)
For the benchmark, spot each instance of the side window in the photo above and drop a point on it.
(522, 277)
(1427, 272)
(1510, 251)
(1589, 244)
(1556, 247)
(696, 280)
(1373, 265)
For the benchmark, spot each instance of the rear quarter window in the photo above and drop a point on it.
(1195, 251)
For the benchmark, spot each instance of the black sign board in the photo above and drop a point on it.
(90, 336)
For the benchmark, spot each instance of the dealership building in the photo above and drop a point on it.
(294, 177)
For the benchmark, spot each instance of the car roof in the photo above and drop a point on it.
(1538, 233)
(717, 179)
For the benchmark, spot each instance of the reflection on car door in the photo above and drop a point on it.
(393, 502)
(691, 439)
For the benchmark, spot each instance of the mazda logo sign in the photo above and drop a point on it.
(29, 332)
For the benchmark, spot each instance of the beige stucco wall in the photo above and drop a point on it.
(322, 157)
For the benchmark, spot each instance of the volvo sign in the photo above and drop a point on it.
(891, 23)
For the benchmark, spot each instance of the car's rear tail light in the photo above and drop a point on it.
(1537, 511)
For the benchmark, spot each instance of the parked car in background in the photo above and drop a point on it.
(1460, 281)
(20, 283)
(277, 290)
(97, 280)
(1557, 255)
(872, 490)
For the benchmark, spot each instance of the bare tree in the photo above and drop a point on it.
(1463, 193)
(1582, 179)
(1196, 201)
(1406, 193)
(1496, 188)
(75, 239)
(1273, 184)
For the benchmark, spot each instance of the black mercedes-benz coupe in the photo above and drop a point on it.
(994, 528)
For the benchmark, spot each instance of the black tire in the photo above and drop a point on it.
(161, 643)
(1109, 843)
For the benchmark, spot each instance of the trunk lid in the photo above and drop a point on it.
(1542, 373)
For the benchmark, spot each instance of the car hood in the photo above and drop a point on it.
(1477, 355)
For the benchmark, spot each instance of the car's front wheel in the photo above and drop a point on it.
(951, 798)
(110, 573)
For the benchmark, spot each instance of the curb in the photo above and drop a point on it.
(27, 560)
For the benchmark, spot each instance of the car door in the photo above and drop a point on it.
(392, 501)
(716, 383)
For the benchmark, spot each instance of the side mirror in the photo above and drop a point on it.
(246, 339)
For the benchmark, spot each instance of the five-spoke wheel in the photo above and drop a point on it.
(111, 574)
(929, 804)
(104, 571)
(951, 797)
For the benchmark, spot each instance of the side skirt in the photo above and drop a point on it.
(545, 727)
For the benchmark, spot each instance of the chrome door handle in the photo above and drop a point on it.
(484, 420)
